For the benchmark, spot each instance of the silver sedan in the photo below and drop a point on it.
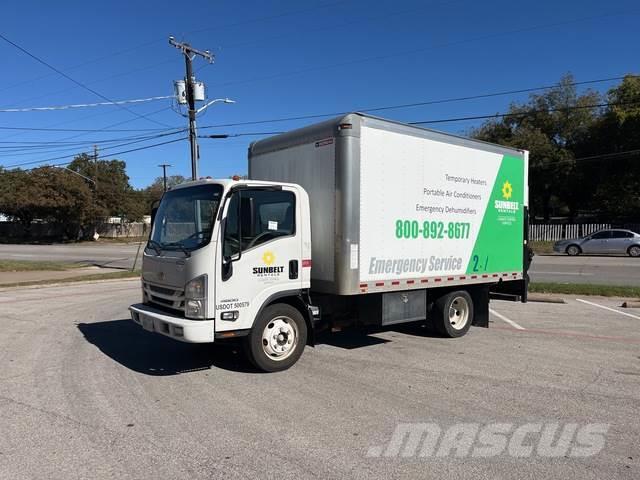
(604, 242)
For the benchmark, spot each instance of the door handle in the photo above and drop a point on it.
(293, 269)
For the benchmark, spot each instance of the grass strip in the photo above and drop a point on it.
(585, 289)
(83, 278)
(541, 247)
(29, 266)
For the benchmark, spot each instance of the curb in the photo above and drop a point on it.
(630, 305)
(544, 299)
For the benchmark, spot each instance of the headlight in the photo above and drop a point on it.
(195, 302)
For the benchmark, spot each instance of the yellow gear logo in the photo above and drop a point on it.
(268, 258)
(507, 190)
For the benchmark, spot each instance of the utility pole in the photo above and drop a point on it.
(164, 174)
(95, 166)
(189, 54)
(95, 193)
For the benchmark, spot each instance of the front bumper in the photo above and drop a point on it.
(560, 248)
(178, 328)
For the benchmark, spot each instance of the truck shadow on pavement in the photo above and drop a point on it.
(156, 355)
(152, 354)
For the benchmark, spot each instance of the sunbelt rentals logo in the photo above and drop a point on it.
(505, 204)
(269, 270)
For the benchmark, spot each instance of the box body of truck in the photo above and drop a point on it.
(397, 208)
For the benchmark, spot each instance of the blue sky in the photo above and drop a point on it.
(288, 58)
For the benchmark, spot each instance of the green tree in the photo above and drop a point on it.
(614, 151)
(47, 193)
(552, 126)
(16, 192)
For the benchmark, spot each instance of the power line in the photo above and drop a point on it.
(330, 114)
(524, 113)
(416, 104)
(49, 143)
(112, 154)
(71, 79)
(17, 153)
(85, 105)
(92, 82)
(87, 130)
(590, 158)
(152, 42)
(243, 134)
(423, 49)
(105, 129)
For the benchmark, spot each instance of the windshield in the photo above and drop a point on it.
(185, 218)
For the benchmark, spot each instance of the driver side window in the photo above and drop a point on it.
(257, 216)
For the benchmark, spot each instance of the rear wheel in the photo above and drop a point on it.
(573, 250)
(453, 314)
(634, 251)
(277, 338)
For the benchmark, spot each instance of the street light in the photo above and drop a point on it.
(217, 100)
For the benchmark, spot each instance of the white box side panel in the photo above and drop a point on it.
(312, 166)
(402, 178)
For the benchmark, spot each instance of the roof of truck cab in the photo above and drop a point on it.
(228, 183)
(329, 128)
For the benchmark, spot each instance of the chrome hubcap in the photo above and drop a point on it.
(279, 338)
(635, 251)
(459, 313)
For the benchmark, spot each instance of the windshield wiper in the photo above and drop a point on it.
(179, 245)
(156, 246)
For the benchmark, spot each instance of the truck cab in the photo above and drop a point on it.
(230, 259)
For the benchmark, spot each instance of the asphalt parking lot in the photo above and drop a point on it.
(85, 393)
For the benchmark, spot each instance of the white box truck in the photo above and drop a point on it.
(353, 221)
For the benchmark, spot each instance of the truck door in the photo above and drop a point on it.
(259, 253)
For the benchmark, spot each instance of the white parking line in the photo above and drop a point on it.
(580, 274)
(608, 308)
(505, 319)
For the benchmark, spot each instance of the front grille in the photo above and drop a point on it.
(165, 296)
(163, 290)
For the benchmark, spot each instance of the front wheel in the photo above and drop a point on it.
(573, 250)
(634, 251)
(277, 338)
(453, 314)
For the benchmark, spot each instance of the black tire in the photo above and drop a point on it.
(292, 327)
(634, 251)
(444, 318)
(573, 250)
